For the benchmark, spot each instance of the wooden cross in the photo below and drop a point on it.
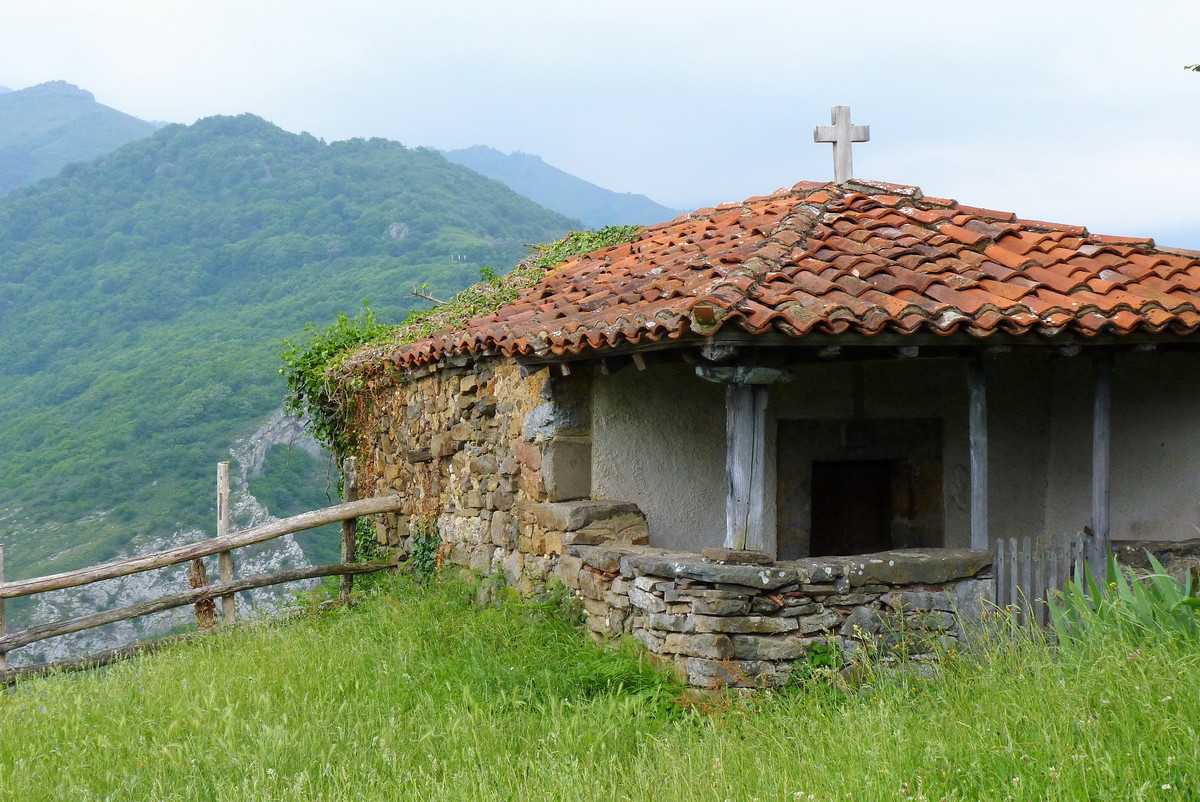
(841, 134)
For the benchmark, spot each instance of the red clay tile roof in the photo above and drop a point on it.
(863, 257)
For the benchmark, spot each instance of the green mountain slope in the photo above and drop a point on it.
(564, 193)
(144, 297)
(49, 125)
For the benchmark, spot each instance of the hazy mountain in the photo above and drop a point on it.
(560, 191)
(144, 297)
(4, 89)
(53, 124)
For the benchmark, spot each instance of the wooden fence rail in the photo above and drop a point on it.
(222, 545)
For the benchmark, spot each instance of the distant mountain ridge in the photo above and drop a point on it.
(145, 295)
(45, 127)
(562, 192)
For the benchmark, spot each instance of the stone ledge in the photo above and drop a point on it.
(692, 566)
(912, 566)
(571, 516)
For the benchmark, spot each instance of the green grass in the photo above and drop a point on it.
(419, 694)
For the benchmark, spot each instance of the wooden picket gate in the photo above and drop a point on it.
(1028, 568)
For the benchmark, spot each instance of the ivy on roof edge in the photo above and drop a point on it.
(495, 290)
(323, 373)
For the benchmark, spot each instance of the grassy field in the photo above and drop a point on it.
(420, 694)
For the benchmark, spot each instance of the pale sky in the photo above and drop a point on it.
(1074, 112)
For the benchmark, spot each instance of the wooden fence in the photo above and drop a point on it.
(1027, 569)
(201, 593)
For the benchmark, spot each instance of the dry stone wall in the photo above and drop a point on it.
(749, 625)
(501, 463)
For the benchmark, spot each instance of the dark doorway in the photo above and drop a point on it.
(851, 507)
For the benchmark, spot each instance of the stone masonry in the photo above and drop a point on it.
(501, 463)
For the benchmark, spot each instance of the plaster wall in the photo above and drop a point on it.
(1021, 392)
(1155, 480)
(658, 440)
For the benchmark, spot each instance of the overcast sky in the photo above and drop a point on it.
(1075, 112)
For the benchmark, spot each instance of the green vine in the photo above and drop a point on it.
(423, 556)
(308, 367)
(320, 390)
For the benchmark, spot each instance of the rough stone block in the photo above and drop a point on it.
(744, 624)
(618, 601)
(599, 557)
(483, 465)
(481, 559)
(569, 568)
(441, 445)
(554, 543)
(734, 673)
(528, 455)
(567, 468)
(861, 621)
(818, 622)
(647, 601)
(915, 566)
(766, 647)
(918, 600)
(648, 639)
(722, 606)
(570, 516)
(592, 585)
(670, 623)
(806, 609)
(713, 646)
(514, 566)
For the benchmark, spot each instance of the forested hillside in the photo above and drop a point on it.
(144, 298)
(551, 187)
(49, 125)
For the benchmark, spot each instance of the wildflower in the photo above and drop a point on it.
(1166, 786)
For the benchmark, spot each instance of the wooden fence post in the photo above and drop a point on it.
(225, 558)
(205, 610)
(350, 525)
(3, 655)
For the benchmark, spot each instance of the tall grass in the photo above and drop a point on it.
(419, 694)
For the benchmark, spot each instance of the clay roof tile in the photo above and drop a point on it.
(864, 257)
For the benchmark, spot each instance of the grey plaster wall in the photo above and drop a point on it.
(1156, 446)
(1021, 393)
(658, 439)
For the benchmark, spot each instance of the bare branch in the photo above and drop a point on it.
(420, 293)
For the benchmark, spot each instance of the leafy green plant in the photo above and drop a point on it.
(580, 242)
(423, 556)
(306, 368)
(495, 290)
(1154, 604)
(366, 545)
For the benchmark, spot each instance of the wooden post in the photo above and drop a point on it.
(977, 403)
(225, 558)
(745, 466)
(3, 655)
(1097, 551)
(350, 525)
(205, 610)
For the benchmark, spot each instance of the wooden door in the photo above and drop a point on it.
(851, 507)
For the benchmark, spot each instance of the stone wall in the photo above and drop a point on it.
(502, 463)
(478, 448)
(718, 620)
